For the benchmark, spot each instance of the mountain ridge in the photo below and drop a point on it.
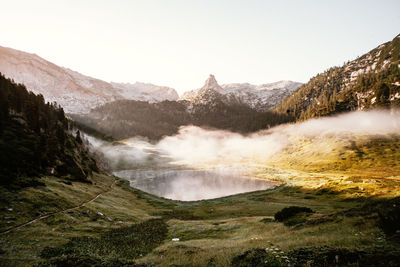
(78, 93)
(75, 92)
(369, 81)
(260, 97)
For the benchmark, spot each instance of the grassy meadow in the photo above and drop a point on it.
(351, 189)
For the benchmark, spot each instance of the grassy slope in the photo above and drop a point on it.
(213, 231)
(361, 166)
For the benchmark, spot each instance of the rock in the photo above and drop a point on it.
(100, 214)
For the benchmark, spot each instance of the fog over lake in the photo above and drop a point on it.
(197, 163)
(147, 167)
(188, 185)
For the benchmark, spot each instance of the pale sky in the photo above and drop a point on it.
(178, 43)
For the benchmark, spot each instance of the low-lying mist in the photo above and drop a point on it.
(198, 149)
(194, 145)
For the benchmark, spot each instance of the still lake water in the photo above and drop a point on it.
(190, 185)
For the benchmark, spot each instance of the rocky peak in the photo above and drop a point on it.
(212, 84)
(259, 97)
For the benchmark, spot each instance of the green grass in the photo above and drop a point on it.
(353, 211)
(209, 231)
(125, 243)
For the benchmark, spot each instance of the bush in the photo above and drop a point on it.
(389, 217)
(289, 212)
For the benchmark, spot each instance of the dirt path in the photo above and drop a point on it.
(61, 211)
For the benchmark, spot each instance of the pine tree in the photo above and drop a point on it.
(78, 137)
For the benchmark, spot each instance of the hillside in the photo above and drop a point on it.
(75, 92)
(370, 81)
(36, 139)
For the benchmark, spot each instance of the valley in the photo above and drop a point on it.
(281, 173)
(349, 181)
(346, 219)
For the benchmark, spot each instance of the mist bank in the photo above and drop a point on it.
(197, 147)
(200, 163)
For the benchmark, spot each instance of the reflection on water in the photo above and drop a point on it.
(190, 185)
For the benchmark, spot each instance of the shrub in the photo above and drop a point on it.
(389, 217)
(289, 212)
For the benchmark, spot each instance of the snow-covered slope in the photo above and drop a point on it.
(75, 92)
(260, 97)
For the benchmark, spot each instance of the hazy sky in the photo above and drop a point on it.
(178, 43)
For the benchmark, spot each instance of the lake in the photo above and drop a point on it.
(190, 185)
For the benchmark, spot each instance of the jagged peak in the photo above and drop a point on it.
(256, 96)
(211, 83)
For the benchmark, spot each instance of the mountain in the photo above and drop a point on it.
(75, 92)
(145, 92)
(208, 94)
(78, 93)
(209, 107)
(370, 81)
(259, 97)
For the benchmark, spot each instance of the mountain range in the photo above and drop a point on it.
(370, 81)
(75, 92)
(260, 97)
(78, 93)
(208, 107)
